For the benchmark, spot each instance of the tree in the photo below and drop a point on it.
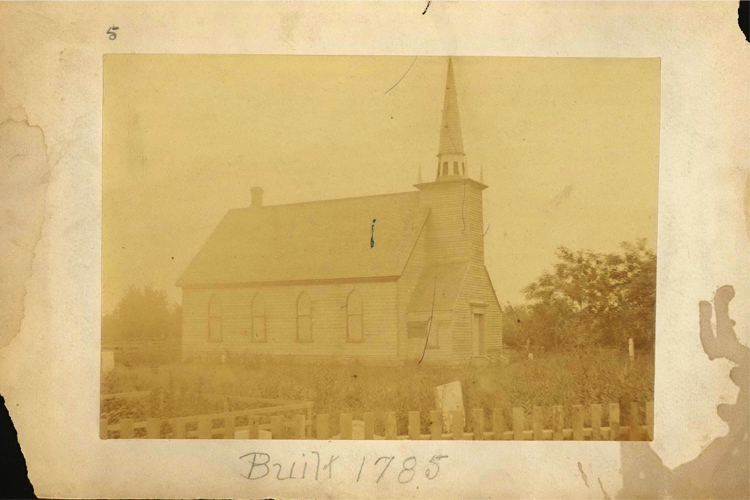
(143, 314)
(515, 318)
(594, 298)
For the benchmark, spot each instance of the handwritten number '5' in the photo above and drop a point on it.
(434, 461)
(111, 32)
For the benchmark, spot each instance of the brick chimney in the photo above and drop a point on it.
(257, 197)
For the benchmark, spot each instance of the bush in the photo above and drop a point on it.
(587, 377)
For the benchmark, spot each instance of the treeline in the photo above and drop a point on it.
(143, 314)
(588, 299)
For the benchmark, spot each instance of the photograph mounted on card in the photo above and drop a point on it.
(379, 248)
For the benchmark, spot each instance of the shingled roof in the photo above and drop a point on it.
(438, 285)
(319, 240)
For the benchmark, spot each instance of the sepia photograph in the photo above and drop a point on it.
(379, 247)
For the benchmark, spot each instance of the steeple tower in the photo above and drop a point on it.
(451, 155)
(454, 225)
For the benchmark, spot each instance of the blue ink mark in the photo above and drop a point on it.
(372, 234)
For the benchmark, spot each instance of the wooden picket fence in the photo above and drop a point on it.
(301, 426)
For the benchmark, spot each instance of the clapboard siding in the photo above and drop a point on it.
(442, 354)
(453, 232)
(329, 320)
(477, 288)
(475, 223)
(447, 235)
(415, 265)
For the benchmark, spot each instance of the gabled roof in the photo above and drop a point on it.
(439, 283)
(311, 241)
(451, 139)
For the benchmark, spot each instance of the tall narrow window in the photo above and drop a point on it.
(463, 168)
(259, 319)
(304, 318)
(354, 318)
(445, 168)
(214, 319)
(455, 167)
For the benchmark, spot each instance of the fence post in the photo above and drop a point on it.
(498, 424)
(538, 423)
(204, 428)
(345, 426)
(369, 419)
(436, 424)
(277, 427)
(650, 420)
(557, 423)
(614, 421)
(153, 428)
(596, 422)
(478, 424)
(414, 427)
(635, 429)
(300, 428)
(577, 423)
(321, 426)
(518, 424)
(179, 429)
(103, 432)
(458, 424)
(252, 427)
(229, 425)
(390, 425)
(126, 428)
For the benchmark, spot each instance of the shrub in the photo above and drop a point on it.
(567, 378)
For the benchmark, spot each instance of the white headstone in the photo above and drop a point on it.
(108, 361)
(631, 349)
(449, 398)
(531, 355)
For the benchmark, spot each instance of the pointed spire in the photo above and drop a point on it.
(451, 156)
(419, 175)
(451, 140)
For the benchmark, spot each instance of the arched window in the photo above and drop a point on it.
(354, 318)
(214, 319)
(259, 319)
(304, 318)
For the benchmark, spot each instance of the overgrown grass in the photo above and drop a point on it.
(567, 379)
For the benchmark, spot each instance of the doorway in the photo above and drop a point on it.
(477, 334)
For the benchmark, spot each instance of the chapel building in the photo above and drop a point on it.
(379, 279)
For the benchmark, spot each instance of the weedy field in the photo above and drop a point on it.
(563, 378)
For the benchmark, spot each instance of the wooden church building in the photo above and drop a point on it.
(381, 279)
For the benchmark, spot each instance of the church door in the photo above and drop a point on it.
(477, 335)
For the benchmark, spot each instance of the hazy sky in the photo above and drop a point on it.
(569, 149)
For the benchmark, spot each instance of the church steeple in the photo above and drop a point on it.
(451, 155)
